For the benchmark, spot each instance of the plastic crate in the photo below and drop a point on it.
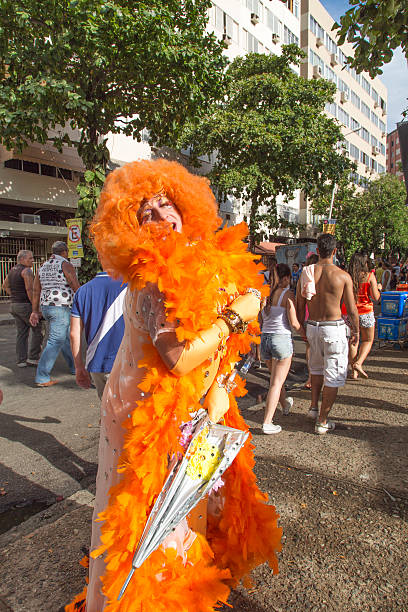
(392, 329)
(394, 304)
(402, 287)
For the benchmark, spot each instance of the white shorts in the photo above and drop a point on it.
(328, 352)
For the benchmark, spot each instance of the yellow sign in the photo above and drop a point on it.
(75, 248)
(329, 226)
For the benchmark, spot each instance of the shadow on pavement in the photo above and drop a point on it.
(45, 444)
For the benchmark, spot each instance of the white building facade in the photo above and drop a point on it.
(360, 104)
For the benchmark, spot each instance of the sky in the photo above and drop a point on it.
(395, 74)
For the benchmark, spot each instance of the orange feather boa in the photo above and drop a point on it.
(246, 534)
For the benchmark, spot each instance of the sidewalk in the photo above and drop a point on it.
(342, 498)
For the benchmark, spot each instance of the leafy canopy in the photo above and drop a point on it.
(375, 29)
(373, 220)
(84, 68)
(270, 134)
(104, 66)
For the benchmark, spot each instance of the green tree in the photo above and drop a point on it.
(373, 220)
(270, 135)
(89, 67)
(375, 29)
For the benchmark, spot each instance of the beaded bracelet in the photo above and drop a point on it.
(256, 292)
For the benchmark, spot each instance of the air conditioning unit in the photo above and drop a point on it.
(383, 134)
(254, 18)
(319, 41)
(376, 150)
(334, 60)
(343, 97)
(317, 72)
(384, 112)
(376, 104)
(227, 39)
(24, 218)
(275, 38)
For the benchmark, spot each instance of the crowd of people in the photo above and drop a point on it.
(332, 309)
(189, 297)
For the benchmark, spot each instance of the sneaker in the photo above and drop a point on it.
(32, 362)
(313, 413)
(324, 429)
(22, 364)
(287, 405)
(270, 428)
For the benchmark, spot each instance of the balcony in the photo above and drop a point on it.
(32, 230)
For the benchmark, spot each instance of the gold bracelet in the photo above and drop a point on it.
(233, 320)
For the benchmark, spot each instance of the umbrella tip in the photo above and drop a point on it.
(125, 585)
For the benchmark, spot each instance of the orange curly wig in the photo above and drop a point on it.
(115, 227)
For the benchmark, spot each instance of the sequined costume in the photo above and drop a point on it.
(177, 283)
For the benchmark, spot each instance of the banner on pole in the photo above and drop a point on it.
(75, 248)
(329, 226)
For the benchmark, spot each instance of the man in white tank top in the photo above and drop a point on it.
(53, 292)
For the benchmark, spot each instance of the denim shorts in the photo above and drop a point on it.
(276, 346)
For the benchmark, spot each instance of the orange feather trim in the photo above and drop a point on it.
(190, 274)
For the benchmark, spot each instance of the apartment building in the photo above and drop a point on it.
(256, 26)
(360, 103)
(394, 159)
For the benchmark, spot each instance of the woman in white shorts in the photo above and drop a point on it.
(278, 315)
(365, 289)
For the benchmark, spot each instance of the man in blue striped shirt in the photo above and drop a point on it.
(98, 310)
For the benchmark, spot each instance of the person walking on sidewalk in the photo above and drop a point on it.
(19, 285)
(323, 286)
(54, 288)
(365, 289)
(278, 315)
(97, 308)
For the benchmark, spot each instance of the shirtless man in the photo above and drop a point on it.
(322, 288)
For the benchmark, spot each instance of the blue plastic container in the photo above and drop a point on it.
(392, 329)
(394, 304)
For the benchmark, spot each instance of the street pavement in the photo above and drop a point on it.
(342, 497)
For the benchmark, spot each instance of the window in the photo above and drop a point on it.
(253, 6)
(374, 95)
(342, 58)
(373, 165)
(355, 75)
(47, 170)
(343, 117)
(383, 105)
(364, 158)
(331, 108)
(382, 148)
(355, 99)
(381, 169)
(365, 109)
(366, 85)
(343, 87)
(273, 23)
(354, 152)
(64, 173)
(331, 46)
(374, 141)
(296, 8)
(219, 19)
(316, 28)
(252, 43)
(231, 28)
(374, 118)
(330, 75)
(289, 37)
(365, 135)
(381, 125)
(29, 166)
(315, 60)
(354, 124)
(14, 164)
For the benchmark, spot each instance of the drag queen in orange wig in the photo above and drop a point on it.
(155, 228)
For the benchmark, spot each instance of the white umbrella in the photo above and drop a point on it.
(212, 449)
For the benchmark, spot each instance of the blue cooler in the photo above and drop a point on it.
(394, 304)
(392, 329)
